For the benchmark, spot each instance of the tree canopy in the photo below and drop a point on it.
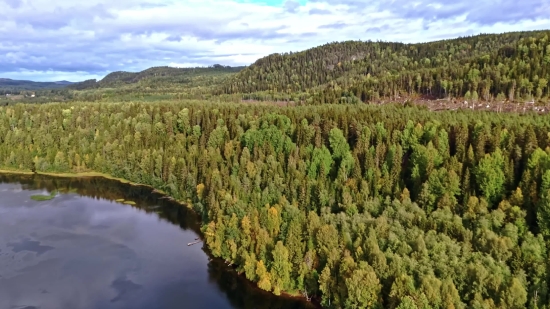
(358, 206)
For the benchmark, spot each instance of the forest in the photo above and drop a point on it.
(351, 205)
(153, 84)
(509, 68)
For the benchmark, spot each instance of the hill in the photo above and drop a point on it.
(354, 206)
(156, 76)
(493, 71)
(7, 85)
(513, 66)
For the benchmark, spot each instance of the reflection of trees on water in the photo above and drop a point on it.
(112, 190)
(238, 290)
(244, 294)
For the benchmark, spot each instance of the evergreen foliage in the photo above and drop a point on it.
(510, 66)
(360, 206)
(498, 68)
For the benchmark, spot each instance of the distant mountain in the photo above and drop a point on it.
(64, 82)
(156, 76)
(7, 84)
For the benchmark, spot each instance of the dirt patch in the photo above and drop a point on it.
(456, 104)
(15, 97)
(435, 104)
(277, 103)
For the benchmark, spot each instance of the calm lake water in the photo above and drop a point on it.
(82, 249)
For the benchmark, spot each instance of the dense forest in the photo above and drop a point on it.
(510, 66)
(506, 68)
(166, 76)
(357, 206)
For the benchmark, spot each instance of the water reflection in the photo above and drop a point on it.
(84, 250)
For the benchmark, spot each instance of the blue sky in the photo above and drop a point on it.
(49, 40)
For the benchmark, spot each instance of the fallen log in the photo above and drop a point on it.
(193, 243)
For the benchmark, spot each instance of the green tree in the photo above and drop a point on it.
(363, 288)
(281, 269)
(490, 176)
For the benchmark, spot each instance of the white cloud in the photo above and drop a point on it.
(184, 65)
(81, 39)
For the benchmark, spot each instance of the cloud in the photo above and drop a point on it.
(378, 29)
(45, 40)
(291, 5)
(174, 38)
(488, 12)
(338, 25)
(315, 11)
(14, 3)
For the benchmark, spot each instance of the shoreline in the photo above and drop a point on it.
(184, 204)
(69, 175)
(87, 175)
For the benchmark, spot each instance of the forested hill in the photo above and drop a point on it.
(155, 76)
(513, 66)
(10, 85)
(498, 68)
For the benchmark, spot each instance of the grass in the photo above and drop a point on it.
(40, 197)
(69, 175)
(2, 171)
(87, 174)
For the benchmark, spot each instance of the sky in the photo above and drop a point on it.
(51, 40)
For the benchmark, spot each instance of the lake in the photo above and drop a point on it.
(83, 249)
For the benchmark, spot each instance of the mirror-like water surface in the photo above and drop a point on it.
(83, 249)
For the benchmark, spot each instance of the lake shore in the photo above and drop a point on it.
(91, 174)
